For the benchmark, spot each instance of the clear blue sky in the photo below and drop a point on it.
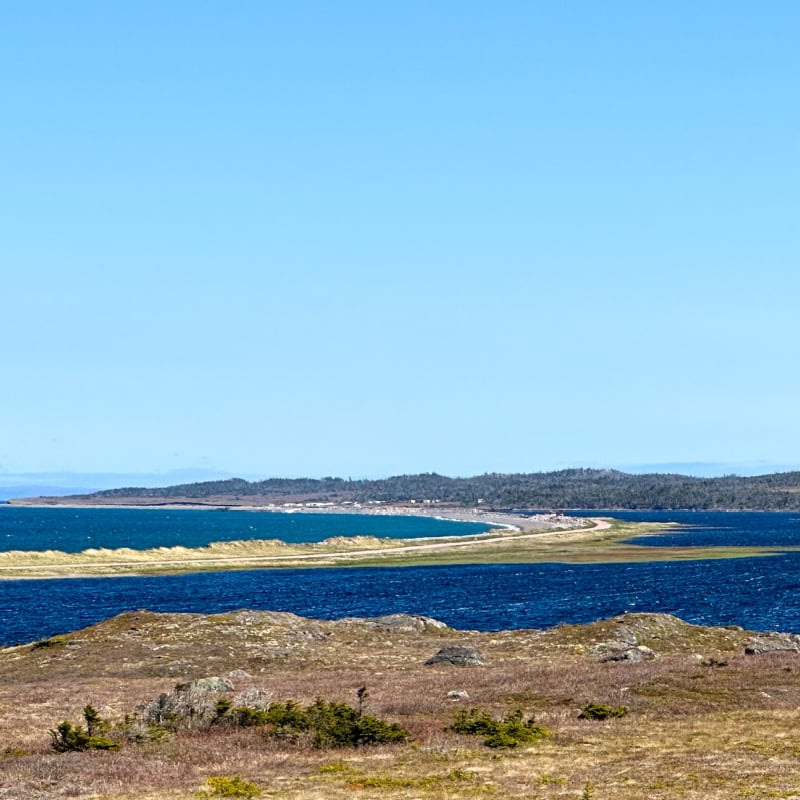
(363, 238)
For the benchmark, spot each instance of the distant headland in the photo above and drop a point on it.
(588, 489)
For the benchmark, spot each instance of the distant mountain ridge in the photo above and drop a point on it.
(564, 489)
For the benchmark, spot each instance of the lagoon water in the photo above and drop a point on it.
(759, 593)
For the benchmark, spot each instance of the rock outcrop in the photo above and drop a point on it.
(773, 643)
(190, 706)
(459, 656)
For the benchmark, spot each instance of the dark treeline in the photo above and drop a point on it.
(571, 488)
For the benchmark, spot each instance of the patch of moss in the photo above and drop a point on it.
(53, 641)
(224, 786)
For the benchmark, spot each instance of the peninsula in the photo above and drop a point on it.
(519, 535)
(587, 489)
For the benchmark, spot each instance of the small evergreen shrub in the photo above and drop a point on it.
(598, 711)
(66, 738)
(474, 722)
(221, 708)
(508, 732)
(321, 724)
(94, 723)
(247, 717)
(325, 724)
(286, 720)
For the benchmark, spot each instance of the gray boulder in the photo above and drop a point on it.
(459, 655)
(621, 651)
(773, 643)
(398, 623)
(209, 685)
(190, 706)
(253, 698)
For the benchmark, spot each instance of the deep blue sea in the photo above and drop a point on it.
(72, 530)
(759, 593)
(712, 528)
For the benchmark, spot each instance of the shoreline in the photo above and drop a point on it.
(335, 551)
(431, 543)
(494, 519)
(597, 540)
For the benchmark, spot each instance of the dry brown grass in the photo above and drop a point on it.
(705, 720)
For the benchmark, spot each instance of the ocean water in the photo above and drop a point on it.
(72, 530)
(713, 528)
(759, 593)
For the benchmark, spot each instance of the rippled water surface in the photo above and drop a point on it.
(74, 529)
(759, 593)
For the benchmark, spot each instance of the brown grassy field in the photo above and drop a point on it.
(705, 720)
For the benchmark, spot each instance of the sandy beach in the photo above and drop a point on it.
(496, 519)
(504, 528)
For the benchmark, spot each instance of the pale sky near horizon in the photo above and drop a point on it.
(364, 239)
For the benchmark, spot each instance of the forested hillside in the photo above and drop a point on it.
(572, 488)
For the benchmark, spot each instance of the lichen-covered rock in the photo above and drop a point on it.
(773, 643)
(621, 651)
(400, 623)
(458, 655)
(239, 675)
(191, 705)
(213, 684)
(254, 698)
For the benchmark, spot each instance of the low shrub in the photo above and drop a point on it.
(323, 723)
(598, 711)
(137, 731)
(247, 717)
(95, 724)
(474, 722)
(221, 708)
(510, 731)
(331, 724)
(285, 720)
(66, 738)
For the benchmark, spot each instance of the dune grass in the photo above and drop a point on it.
(582, 545)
